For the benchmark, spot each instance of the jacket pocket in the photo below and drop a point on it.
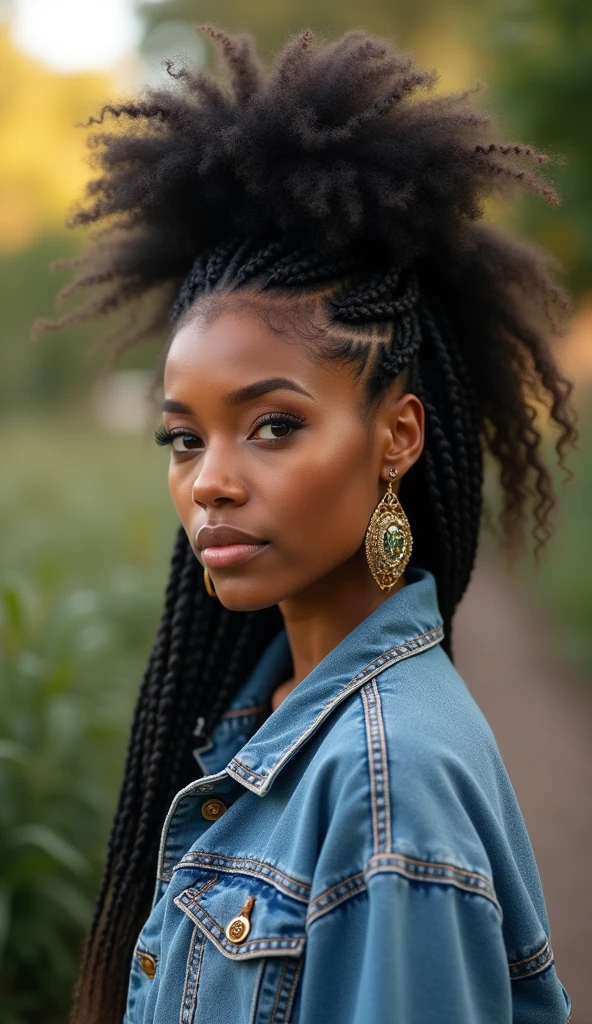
(253, 938)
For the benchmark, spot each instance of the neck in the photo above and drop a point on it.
(318, 618)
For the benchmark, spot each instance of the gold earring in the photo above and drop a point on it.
(209, 585)
(388, 539)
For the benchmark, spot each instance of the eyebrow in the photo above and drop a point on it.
(243, 394)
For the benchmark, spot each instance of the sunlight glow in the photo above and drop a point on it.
(75, 35)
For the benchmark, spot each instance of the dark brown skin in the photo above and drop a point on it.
(309, 494)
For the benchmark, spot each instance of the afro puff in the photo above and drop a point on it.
(335, 147)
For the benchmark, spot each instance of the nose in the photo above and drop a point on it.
(214, 485)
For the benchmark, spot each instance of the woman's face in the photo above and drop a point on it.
(271, 442)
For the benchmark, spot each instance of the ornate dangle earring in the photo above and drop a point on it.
(209, 585)
(388, 539)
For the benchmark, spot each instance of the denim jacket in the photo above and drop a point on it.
(356, 857)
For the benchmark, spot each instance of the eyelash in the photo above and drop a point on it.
(165, 437)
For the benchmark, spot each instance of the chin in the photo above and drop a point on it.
(241, 598)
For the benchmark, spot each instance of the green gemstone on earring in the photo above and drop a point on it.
(393, 542)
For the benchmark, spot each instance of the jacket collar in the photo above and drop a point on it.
(407, 622)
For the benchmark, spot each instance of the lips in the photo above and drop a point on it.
(223, 546)
(222, 536)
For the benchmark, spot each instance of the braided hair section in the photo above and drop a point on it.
(201, 654)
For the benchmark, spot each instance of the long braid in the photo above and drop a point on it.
(184, 679)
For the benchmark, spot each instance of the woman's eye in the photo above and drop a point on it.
(185, 443)
(277, 428)
(271, 431)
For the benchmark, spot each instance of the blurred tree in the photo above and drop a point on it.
(42, 169)
(538, 54)
(42, 172)
(273, 23)
(421, 24)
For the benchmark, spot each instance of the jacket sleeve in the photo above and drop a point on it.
(407, 952)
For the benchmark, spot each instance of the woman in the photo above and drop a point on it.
(315, 823)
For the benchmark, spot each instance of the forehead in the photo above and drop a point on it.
(238, 347)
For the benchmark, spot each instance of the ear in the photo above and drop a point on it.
(404, 434)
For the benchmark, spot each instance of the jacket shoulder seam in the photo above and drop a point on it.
(433, 873)
(417, 871)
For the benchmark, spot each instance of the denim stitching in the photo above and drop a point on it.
(246, 772)
(433, 872)
(164, 867)
(284, 995)
(531, 965)
(258, 782)
(534, 956)
(338, 886)
(292, 993)
(278, 992)
(384, 765)
(273, 945)
(248, 866)
(256, 991)
(377, 759)
(371, 769)
(192, 978)
(333, 897)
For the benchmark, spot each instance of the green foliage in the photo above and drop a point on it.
(86, 532)
(536, 55)
(62, 723)
(272, 23)
(55, 368)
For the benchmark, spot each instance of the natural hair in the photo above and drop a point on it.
(335, 179)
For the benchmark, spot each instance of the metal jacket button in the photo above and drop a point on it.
(147, 963)
(213, 808)
(240, 926)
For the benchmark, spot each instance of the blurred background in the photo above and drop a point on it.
(86, 522)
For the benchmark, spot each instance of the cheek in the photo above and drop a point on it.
(328, 497)
(180, 483)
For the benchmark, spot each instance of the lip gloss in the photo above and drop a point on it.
(226, 555)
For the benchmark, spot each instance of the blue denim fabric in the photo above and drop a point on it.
(372, 820)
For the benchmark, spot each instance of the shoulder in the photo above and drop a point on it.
(415, 771)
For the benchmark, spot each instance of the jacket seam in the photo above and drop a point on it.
(256, 991)
(192, 975)
(292, 990)
(378, 768)
(277, 944)
(165, 865)
(532, 965)
(435, 873)
(413, 870)
(334, 896)
(250, 867)
(279, 990)
(257, 781)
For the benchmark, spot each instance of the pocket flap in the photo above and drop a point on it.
(275, 922)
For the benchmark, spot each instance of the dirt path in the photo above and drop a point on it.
(543, 724)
